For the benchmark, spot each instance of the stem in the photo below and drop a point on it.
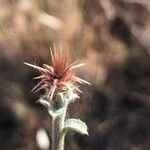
(57, 126)
(62, 122)
(55, 132)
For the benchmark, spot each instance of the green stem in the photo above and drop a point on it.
(62, 122)
(57, 126)
(55, 133)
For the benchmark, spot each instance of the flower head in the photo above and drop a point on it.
(59, 76)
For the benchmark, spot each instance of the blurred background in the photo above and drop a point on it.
(112, 37)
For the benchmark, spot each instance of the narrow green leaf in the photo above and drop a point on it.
(44, 102)
(75, 125)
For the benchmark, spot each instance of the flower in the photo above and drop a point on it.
(59, 77)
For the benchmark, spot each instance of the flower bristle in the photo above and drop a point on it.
(54, 78)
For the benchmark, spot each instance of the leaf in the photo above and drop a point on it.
(44, 102)
(72, 97)
(75, 125)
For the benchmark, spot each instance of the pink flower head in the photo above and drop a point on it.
(58, 76)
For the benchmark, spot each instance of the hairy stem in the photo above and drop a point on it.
(57, 126)
(62, 121)
(55, 133)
